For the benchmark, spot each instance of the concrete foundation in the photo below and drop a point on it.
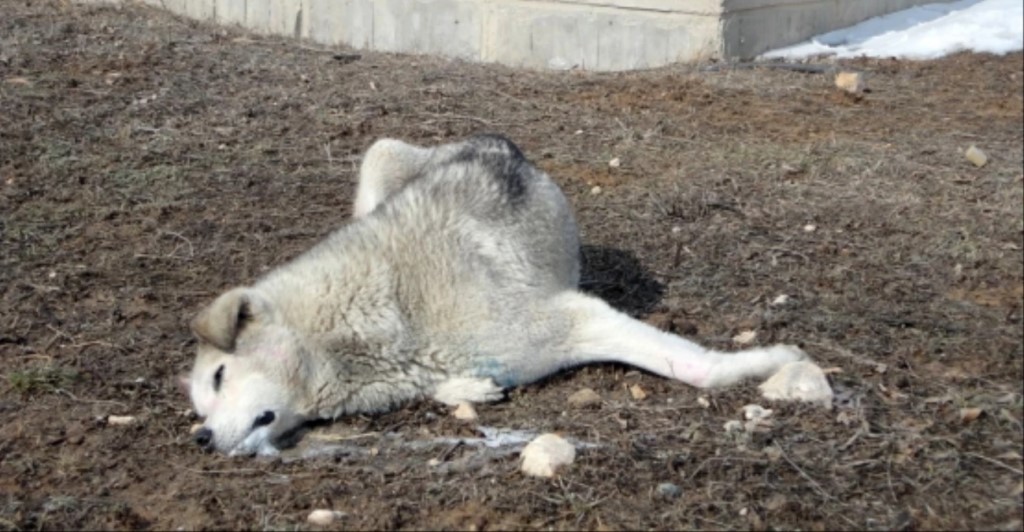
(559, 34)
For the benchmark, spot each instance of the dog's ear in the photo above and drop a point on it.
(220, 323)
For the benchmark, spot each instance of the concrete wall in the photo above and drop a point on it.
(559, 34)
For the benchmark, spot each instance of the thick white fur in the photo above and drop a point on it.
(456, 279)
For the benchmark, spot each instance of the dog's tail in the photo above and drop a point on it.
(602, 334)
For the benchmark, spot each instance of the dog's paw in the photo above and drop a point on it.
(457, 390)
(787, 353)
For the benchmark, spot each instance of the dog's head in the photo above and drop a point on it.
(246, 380)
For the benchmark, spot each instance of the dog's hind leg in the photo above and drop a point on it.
(600, 333)
(387, 166)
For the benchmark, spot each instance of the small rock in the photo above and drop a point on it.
(637, 392)
(851, 82)
(195, 428)
(773, 452)
(596, 190)
(704, 402)
(968, 415)
(976, 156)
(810, 228)
(543, 456)
(465, 412)
(669, 490)
(732, 426)
(584, 398)
(756, 412)
(615, 163)
(578, 132)
(120, 420)
(780, 299)
(744, 337)
(434, 462)
(323, 517)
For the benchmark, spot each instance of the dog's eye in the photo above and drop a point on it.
(218, 376)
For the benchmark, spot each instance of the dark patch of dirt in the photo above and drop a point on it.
(148, 163)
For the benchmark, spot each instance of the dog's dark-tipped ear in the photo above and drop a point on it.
(220, 323)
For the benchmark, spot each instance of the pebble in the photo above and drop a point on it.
(756, 412)
(976, 156)
(851, 82)
(120, 420)
(745, 337)
(323, 517)
(584, 398)
(669, 490)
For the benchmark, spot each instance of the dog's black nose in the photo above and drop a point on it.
(266, 418)
(203, 438)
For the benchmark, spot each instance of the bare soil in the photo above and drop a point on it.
(148, 163)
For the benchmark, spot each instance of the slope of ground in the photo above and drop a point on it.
(147, 163)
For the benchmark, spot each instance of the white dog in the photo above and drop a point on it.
(456, 279)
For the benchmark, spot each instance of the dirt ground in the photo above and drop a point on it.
(148, 163)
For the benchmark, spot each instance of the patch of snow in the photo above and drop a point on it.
(924, 32)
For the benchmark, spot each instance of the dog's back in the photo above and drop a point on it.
(507, 218)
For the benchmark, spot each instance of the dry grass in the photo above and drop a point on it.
(147, 163)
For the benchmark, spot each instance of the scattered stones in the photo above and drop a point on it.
(545, 455)
(615, 163)
(324, 517)
(704, 402)
(669, 490)
(465, 412)
(810, 228)
(976, 156)
(780, 299)
(596, 190)
(637, 392)
(583, 398)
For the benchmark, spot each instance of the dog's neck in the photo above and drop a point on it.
(359, 354)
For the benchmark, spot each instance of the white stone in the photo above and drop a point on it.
(799, 381)
(323, 517)
(543, 456)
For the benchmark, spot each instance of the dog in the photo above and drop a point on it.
(455, 280)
